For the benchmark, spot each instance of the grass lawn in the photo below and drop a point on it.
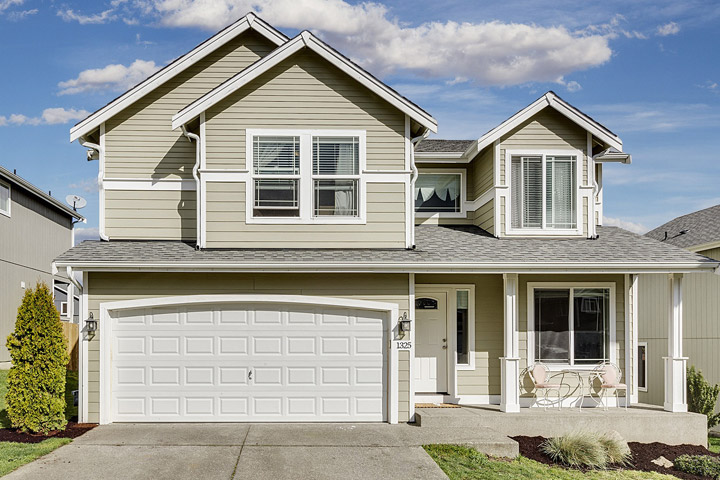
(14, 455)
(714, 444)
(463, 463)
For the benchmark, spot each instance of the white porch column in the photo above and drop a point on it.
(510, 363)
(675, 363)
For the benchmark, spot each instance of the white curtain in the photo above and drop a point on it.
(446, 187)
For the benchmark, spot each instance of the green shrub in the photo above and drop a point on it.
(616, 448)
(702, 397)
(36, 381)
(702, 465)
(576, 449)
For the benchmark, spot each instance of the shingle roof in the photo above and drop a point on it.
(437, 246)
(436, 145)
(701, 227)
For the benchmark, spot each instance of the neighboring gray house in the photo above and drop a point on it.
(697, 232)
(34, 229)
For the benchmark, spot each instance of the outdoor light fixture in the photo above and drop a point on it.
(91, 323)
(404, 323)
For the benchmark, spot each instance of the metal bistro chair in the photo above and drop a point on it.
(540, 375)
(610, 376)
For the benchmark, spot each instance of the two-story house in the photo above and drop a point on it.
(34, 229)
(281, 243)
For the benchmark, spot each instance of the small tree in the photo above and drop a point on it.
(36, 381)
(702, 397)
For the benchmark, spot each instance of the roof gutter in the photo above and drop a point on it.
(196, 175)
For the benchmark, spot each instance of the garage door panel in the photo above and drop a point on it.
(248, 363)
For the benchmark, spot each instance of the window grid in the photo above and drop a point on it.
(328, 175)
(283, 168)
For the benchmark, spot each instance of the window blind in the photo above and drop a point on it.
(560, 205)
(276, 155)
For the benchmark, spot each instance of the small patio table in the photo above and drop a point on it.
(583, 376)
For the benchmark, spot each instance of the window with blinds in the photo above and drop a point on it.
(336, 164)
(276, 171)
(543, 191)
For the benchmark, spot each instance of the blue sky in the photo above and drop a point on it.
(648, 70)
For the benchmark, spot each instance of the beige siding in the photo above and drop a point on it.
(226, 225)
(701, 327)
(31, 238)
(305, 92)
(139, 141)
(150, 214)
(109, 287)
(713, 253)
(484, 217)
(482, 168)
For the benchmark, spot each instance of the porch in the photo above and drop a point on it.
(639, 423)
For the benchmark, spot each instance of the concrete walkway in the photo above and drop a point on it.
(256, 451)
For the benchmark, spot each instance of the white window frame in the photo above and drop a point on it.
(306, 178)
(544, 230)
(463, 193)
(637, 352)
(7, 212)
(530, 320)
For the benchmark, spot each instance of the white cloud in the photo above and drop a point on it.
(110, 77)
(70, 15)
(487, 53)
(658, 116)
(573, 86)
(5, 4)
(22, 14)
(625, 224)
(671, 28)
(86, 233)
(88, 185)
(49, 116)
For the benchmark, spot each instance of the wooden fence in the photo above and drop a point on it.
(71, 333)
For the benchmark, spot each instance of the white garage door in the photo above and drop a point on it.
(248, 362)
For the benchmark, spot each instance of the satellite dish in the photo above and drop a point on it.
(76, 201)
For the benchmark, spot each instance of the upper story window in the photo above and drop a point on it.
(306, 176)
(544, 192)
(439, 193)
(5, 199)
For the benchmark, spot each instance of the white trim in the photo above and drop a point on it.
(303, 40)
(106, 415)
(530, 320)
(704, 246)
(306, 177)
(8, 212)
(481, 200)
(544, 231)
(202, 185)
(250, 21)
(409, 191)
(636, 330)
(411, 367)
(83, 353)
(642, 344)
(101, 184)
(442, 157)
(462, 267)
(547, 100)
(167, 184)
(463, 193)
(450, 290)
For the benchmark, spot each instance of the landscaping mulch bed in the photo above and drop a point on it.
(643, 455)
(73, 430)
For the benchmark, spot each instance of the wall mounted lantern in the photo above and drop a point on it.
(91, 323)
(404, 323)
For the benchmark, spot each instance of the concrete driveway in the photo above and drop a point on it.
(257, 451)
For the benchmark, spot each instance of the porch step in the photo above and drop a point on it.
(445, 417)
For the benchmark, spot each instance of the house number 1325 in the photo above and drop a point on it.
(404, 345)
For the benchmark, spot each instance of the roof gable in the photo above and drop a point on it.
(250, 21)
(550, 99)
(16, 180)
(304, 40)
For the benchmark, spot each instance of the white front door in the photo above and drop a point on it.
(248, 362)
(431, 343)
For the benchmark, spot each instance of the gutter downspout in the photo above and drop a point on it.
(101, 176)
(414, 141)
(71, 277)
(196, 175)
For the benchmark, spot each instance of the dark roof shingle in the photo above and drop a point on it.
(444, 146)
(436, 245)
(701, 227)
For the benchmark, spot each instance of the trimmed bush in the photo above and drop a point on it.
(702, 397)
(36, 381)
(576, 449)
(702, 465)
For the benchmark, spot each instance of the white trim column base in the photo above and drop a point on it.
(675, 384)
(509, 384)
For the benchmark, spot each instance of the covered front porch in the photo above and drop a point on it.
(476, 336)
